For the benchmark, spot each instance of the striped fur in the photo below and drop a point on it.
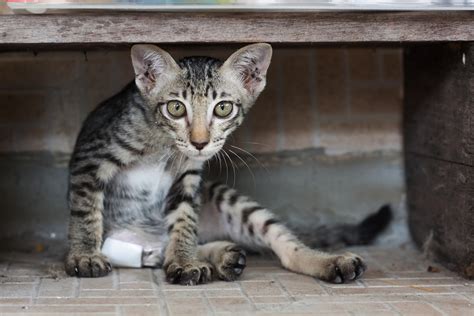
(229, 215)
(136, 175)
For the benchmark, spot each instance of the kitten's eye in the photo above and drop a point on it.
(223, 109)
(176, 109)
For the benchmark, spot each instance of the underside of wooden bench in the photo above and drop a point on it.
(238, 27)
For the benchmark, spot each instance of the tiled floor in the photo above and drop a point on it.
(397, 283)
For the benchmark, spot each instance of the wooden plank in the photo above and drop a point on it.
(439, 102)
(439, 151)
(221, 27)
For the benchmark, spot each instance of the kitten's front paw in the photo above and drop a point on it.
(231, 263)
(87, 265)
(344, 268)
(192, 273)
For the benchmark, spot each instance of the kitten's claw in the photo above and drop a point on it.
(87, 265)
(108, 266)
(232, 263)
(188, 274)
(344, 268)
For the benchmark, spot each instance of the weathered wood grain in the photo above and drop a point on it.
(441, 205)
(272, 27)
(439, 150)
(439, 101)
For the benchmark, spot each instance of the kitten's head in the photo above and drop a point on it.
(200, 101)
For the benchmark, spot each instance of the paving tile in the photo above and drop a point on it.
(192, 306)
(219, 285)
(343, 308)
(27, 269)
(16, 290)
(184, 293)
(53, 309)
(146, 310)
(423, 274)
(393, 297)
(58, 288)
(230, 304)
(261, 288)
(434, 281)
(357, 284)
(270, 299)
(296, 284)
(469, 296)
(271, 313)
(399, 261)
(373, 313)
(118, 293)
(19, 279)
(267, 289)
(319, 308)
(223, 293)
(212, 285)
(136, 286)
(375, 272)
(415, 308)
(365, 307)
(392, 290)
(5, 301)
(452, 304)
(137, 300)
(275, 308)
(103, 283)
(134, 275)
(260, 274)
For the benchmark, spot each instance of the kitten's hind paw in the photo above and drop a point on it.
(87, 265)
(344, 268)
(193, 273)
(231, 263)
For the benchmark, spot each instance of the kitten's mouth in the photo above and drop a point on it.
(199, 156)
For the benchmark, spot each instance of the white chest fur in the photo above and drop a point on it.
(147, 177)
(136, 198)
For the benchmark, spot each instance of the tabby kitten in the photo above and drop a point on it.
(135, 175)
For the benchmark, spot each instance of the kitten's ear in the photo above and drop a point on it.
(153, 66)
(249, 65)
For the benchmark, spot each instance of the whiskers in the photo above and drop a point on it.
(231, 163)
(176, 157)
(251, 155)
(230, 153)
(246, 164)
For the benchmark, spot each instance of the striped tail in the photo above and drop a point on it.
(362, 233)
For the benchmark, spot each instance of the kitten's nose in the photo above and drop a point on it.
(199, 146)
